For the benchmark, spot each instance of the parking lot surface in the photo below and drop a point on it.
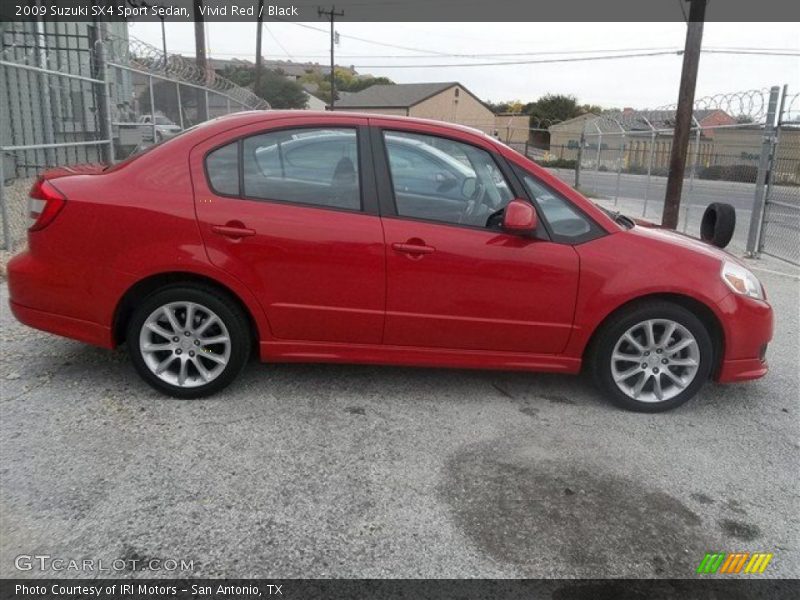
(361, 471)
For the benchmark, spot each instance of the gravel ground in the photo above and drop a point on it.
(358, 471)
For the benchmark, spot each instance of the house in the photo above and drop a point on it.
(512, 128)
(446, 101)
(314, 103)
(628, 136)
(742, 146)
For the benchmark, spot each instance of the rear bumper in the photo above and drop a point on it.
(84, 331)
(59, 298)
(748, 326)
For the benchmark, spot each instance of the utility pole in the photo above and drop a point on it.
(164, 40)
(332, 14)
(200, 58)
(257, 77)
(683, 114)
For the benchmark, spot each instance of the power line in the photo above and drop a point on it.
(366, 40)
(524, 62)
(277, 41)
(572, 59)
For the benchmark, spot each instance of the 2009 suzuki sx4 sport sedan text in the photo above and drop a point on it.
(345, 237)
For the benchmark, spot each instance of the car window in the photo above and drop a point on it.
(308, 166)
(222, 166)
(564, 219)
(438, 179)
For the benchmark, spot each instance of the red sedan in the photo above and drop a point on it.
(342, 237)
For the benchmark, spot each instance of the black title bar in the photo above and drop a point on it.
(398, 10)
(396, 589)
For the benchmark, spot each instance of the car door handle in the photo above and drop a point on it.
(233, 231)
(413, 248)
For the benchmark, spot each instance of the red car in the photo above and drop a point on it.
(343, 237)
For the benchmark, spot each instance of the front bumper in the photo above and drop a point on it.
(748, 327)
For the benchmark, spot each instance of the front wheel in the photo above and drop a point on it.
(653, 357)
(188, 342)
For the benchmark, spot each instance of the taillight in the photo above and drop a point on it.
(44, 203)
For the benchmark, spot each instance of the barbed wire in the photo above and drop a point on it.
(791, 109)
(735, 108)
(145, 57)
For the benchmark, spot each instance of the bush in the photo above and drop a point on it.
(559, 163)
(741, 173)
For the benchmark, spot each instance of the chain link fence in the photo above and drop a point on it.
(78, 93)
(780, 229)
(737, 154)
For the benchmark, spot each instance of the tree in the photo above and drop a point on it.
(345, 82)
(273, 86)
(280, 91)
(554, 107)
(550, 108)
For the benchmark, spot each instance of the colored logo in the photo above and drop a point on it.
(734, 562)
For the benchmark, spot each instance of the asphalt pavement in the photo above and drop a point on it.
(362, 471)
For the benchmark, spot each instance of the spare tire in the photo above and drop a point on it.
(718, 224)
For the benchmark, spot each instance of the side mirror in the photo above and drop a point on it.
(519, 217)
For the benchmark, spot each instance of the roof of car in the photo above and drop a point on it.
(252, 116)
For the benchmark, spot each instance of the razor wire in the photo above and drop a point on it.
(150, 59)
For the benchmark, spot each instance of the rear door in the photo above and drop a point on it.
(290, 209)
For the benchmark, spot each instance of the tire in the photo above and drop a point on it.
(718, 224)
(625, 336)
(214, 349)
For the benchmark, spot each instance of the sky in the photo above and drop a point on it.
(641, 82)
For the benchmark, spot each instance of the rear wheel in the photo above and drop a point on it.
(653, 357)
(187, 341)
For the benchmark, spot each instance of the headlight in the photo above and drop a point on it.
(741, 280)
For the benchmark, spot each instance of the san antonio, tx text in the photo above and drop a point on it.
(58, 589)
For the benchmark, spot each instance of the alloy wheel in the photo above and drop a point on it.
(185, 344)
(655, 360)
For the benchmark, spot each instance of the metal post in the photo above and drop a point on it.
(180, 105)
(599, 146)
(581, 143)
(205, 95)
(44, 86)
(597, 160)
(619, 168)
(152, 109)
(228, 105)
(7, 242)
(691, 175)
(773, 158)
(101, 73)
(767, 141)
(649, 170)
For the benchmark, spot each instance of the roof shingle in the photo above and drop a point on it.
(398, 95)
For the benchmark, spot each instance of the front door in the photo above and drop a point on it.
(285, 208)
(454, 279)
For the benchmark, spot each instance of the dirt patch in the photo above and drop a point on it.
(541, 515)
(740, 530)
